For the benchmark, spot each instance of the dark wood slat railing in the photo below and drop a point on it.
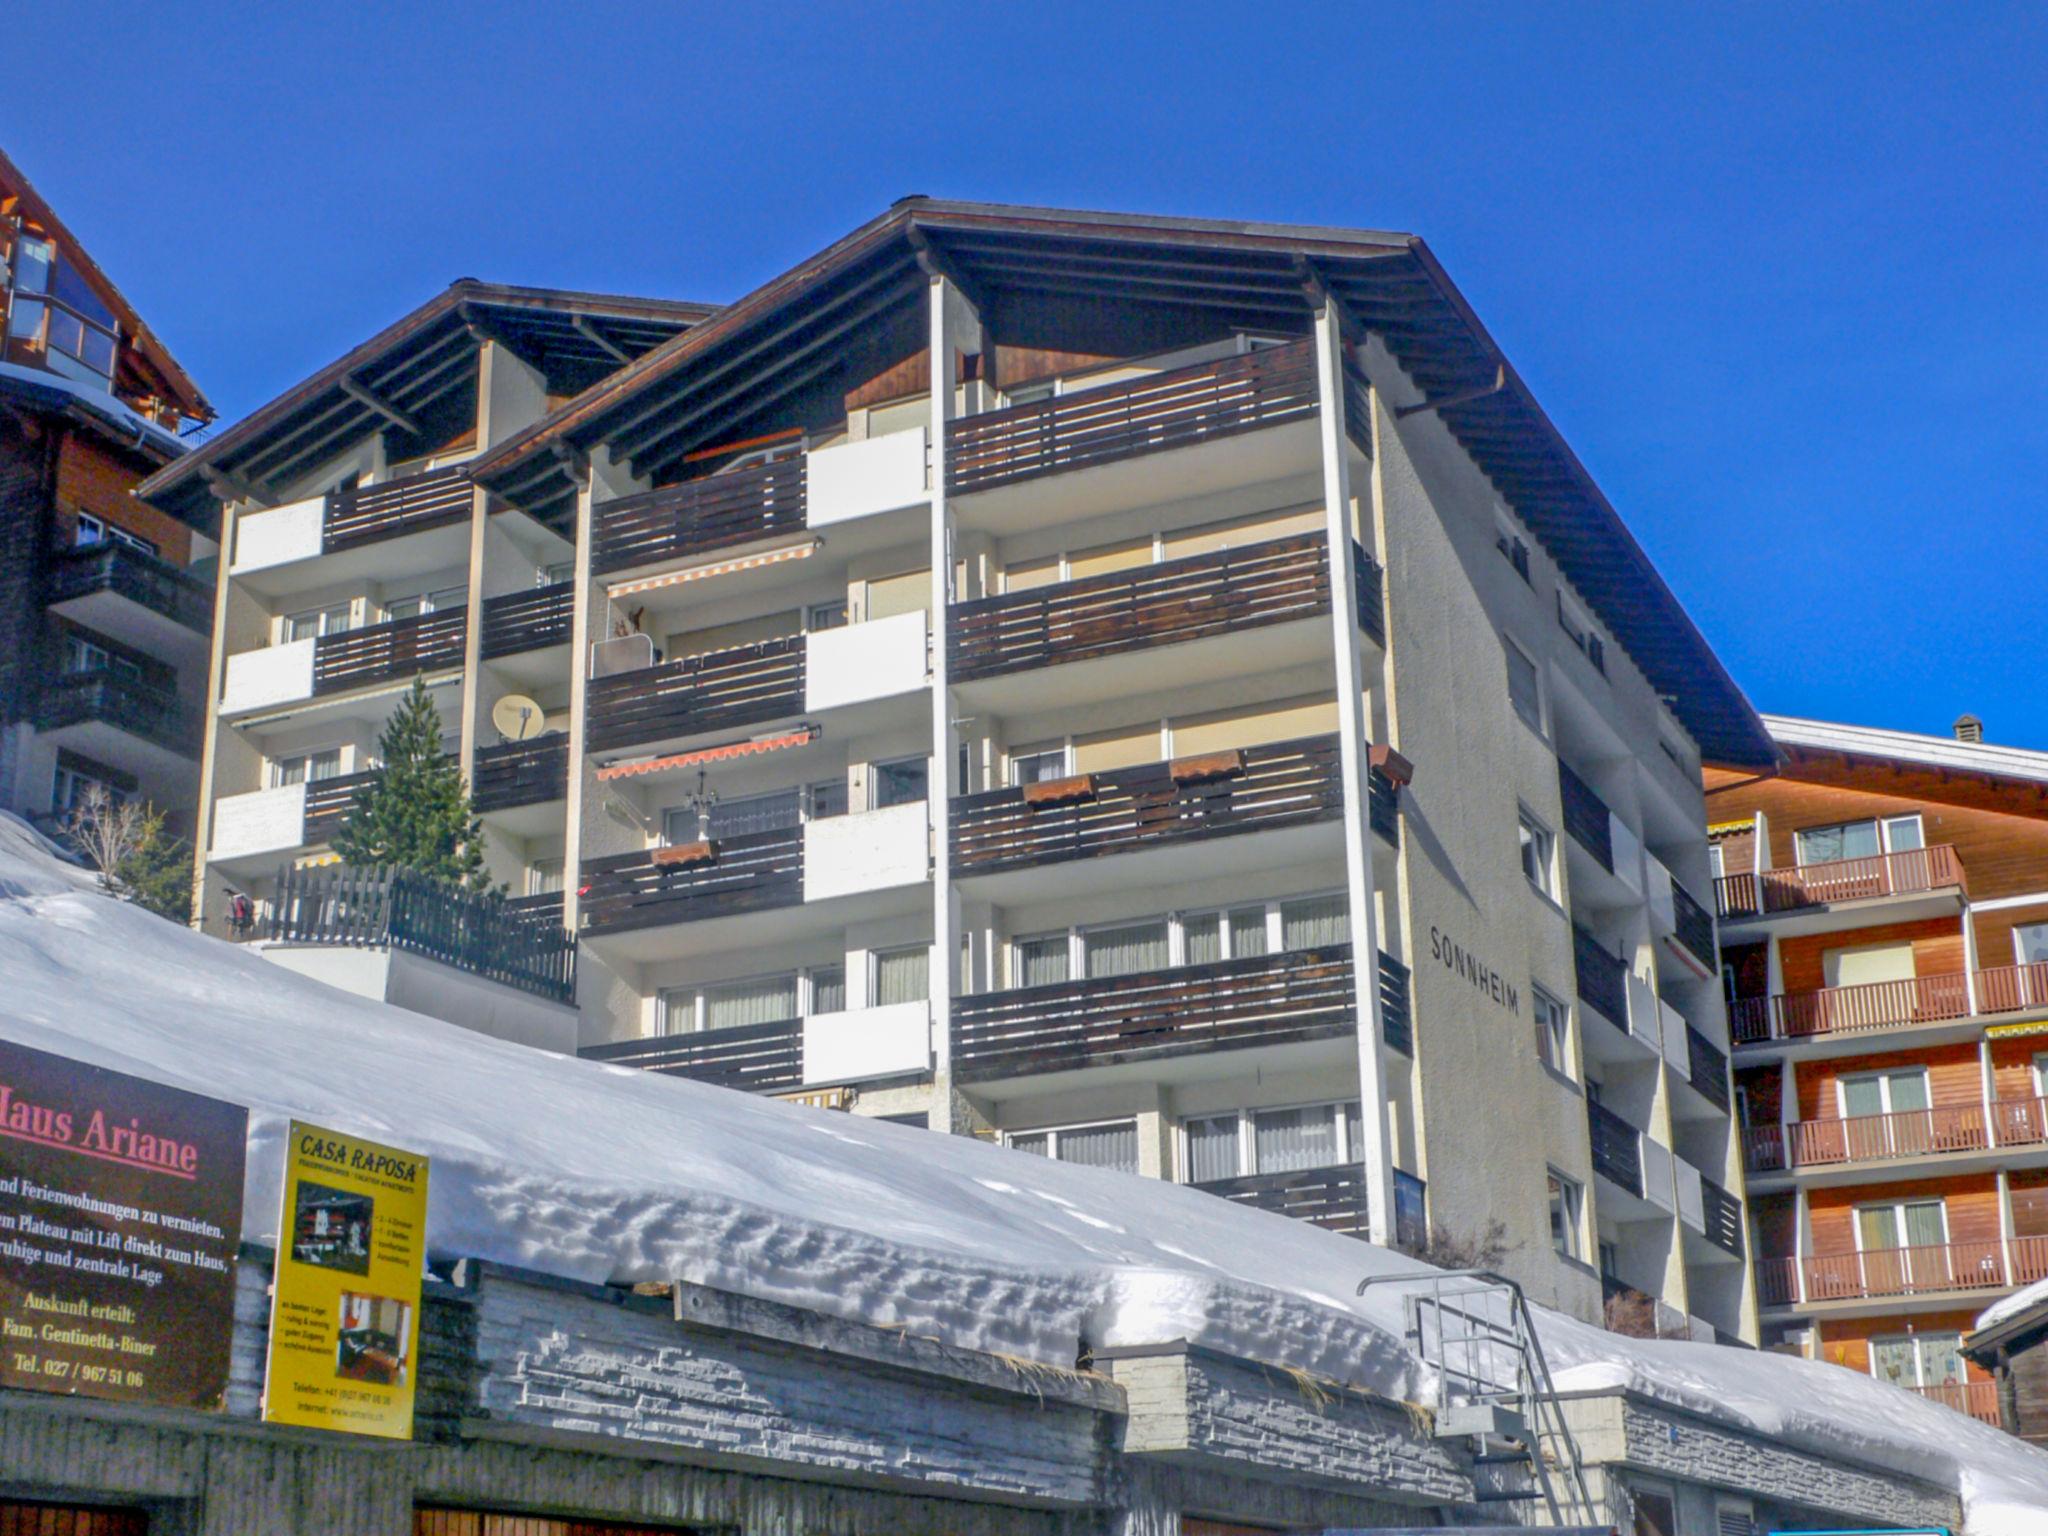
(1383, 807)
(757, 1058)
(1586, 816)
(514, 773)
(136, 705)
(1397, 1007)
(1173, 601)
(1723, 1213)
(1617, 1148)
(1333, 1198)
(748, 873)
(717, 691)
(1602, 978)
(141, 578)
(1139, 416)
(1358, 409)
(1106, 1021)
(1371, 578)
(1811, 885)
(677, 522)
(389, 652)
(373, 512)
(1281, 784)
(1707, 1068)
(385, 906)
(328, 802)
(1694, 926)
(527, 621)
(544, 908)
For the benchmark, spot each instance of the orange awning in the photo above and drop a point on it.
(705, 755)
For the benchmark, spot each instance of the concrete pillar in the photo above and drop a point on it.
(1376, 1157)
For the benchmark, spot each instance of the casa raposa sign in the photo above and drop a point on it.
(120, 1216)
(345, 1309)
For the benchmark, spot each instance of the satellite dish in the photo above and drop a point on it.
(518, 718)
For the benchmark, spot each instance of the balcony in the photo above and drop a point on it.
(1283, 999)
(1694, 927)
(134, 598)
(273, 550)
(1617, 1148)
(752, 872)
(1942, 1131)
(1979, 1399)
(94, 706)
(1884, 1273)
(1602, 978)
(1383, 807)
(267, 822)
(1707, 1068)
(1915, 872)
(681, 522)
(1586, 816)
(757, 1058)
(516, 773)
(389, 652)
(1722, 1217)
(515, 622)
(718, 691)
(1332, 1198)
(1397, 1006)
(1254, 789)
(1859, 1009)
(370, 514)
(1178, 409)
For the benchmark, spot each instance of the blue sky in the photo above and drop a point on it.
(1780, 273)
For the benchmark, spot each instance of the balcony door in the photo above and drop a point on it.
(1885, 1114)
(1902, 1247)
(2030, 953)
(1868, 986)
(1918, 1361)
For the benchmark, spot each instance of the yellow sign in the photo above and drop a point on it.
(2013, 1031)
(345, 1305)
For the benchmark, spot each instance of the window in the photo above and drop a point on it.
(827, 798)
(91, 529)
(828, 988)
(1041, 961)
(1315, 923)
(81, 655)
(1525, 689)
(734, 818)
(1858, 839)
(902, 782)
(440, 600)
(1288, 1140)
(1113, 1144)
(71, 787)
(1512, 549)
(307, 768)
(902, 975)
(1539, 855)
(555, 573)
(1553, 1031)
(1882, 1093)
(1580, 632)
(1234, 935)
(729, 1005)
(1566, 1203)
(1125, 950)
(1901, 1224)
(1039, 764)
(314, 622)
(1918, 1360)
(2030, 952)
(544, 877)
(830, 615)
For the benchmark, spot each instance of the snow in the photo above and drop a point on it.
(609, 1174)
(2013, 1305)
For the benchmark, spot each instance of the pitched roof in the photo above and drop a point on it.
(1910, 747)
(1386, 283)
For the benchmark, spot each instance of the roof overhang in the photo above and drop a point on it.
(1941, 752)
(654, 412)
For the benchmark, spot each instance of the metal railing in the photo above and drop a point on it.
(1586, 816)
(1722, 1214)
(1929, 1269)
(1331, 1198)
(1909, 872)
(1694, 926)
(1706, 1068)
(1617, 1147)
(1602, 978)
(1869, 1005)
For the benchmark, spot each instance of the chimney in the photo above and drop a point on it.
(1969, 728)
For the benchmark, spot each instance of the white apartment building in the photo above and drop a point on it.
(1211, 725)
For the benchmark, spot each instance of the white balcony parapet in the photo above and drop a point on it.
(1662, 912)
(1657, 1174)
(866, 851)
(892, 1040)
(856, 663)
(279, 536)
(1677, 1050)
(272, 675)
(1627, 851)
(1692, 1208)
(853, 480)
(1644, 1010)
(262, 821)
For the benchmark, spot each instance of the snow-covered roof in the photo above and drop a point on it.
(1909, 746)
(603, 1173)
(2012, 1306)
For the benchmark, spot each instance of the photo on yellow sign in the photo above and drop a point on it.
(345, 1306)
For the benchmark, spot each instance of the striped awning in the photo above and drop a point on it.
(652, 765)
(2015, 1031)
(717, 568)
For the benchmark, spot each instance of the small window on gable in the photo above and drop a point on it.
(1580, 631)
(1525, 688)
(1513, 547)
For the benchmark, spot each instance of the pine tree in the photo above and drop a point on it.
(157, 873)
(415, 811)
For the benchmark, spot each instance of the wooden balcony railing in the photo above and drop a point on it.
(1812, 885)
(384, 906)
(373, 512)
(1371, 579)
(755, 1057)
(1694, 926)
(141, 707)
(1906, 1133)
(515, 773)
(1397, 1005)
(141, 578)
(1281, 999)
(1383, 807)
(1723, 1214)
(747, 873)
(328, 802)
(1617, 1147)
(1586, 816)
(544, 908)
(389, 652)
(679, 522)
(1882, 1272)
(717, 691)
(1121, 421)
(1706, 1068)
(2006, 988)
(1333, 1198)
(1218, 593)
(527, 621)
(1868, 1005)
(1275, 785)
(1602, 978)
(1979, 1399)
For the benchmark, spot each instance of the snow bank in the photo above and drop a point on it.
(604, 1173)
(2013, 1305)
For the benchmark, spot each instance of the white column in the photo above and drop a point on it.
(2012, 1274)
(1376, 1156)
(216, 674)
(1799, 1244)
(1970, 959)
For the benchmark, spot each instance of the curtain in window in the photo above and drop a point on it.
(828, 989)
(902, 975)
(761, 813)
(1288, 1139)
(1924, 1224)
(1316, 923)
(1212, 1149)
(1902, 834)
(1862, 1096)
(1247, 932)
(1830, 845)
(678, 1011)
(1354, 1134)
(1203, 937)
(1102, 1146)
(1126, 950)
(765, 1000)
(1908, 1090)
(1034, 1142)
(1042, 962)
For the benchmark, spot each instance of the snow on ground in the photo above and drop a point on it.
(2013, 1305)
(606, 1173)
